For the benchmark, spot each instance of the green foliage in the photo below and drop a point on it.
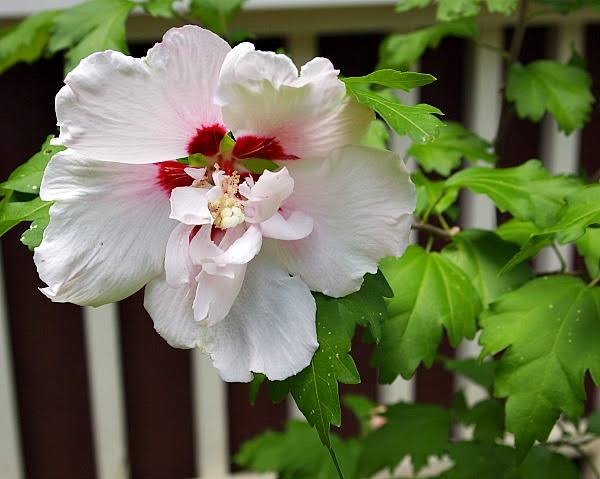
(432, 195)
(430, 293)
(401, 51)
(26, 41)
(21, 202)
(548, 329)
(529, 192)
(568, 6)
(415, 430)
(417, 121)
(482, 254)
(563, 90)
(159, 8)
(588, 246)
(93, 26)
(479, 372)
(582, 210)
(393, 79)
(297, 454)
(454, 9)
(377, 136)
(215, 14)
(444, 153)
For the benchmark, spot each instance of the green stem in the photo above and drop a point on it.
(561, 258)
(506, 111)
(594, 282)
(335, 462)
(432, 230)
(488, 46)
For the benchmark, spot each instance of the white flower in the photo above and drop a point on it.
(228, 259)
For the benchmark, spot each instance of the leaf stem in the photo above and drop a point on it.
(561, 258)
(506, 111)
(336, 463)
(488, 46)
(434, 230)
(594, 282)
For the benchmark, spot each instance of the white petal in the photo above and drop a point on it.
(216, 294)
(271, 327)
(178, 267)
(243, 249)
(296, 226)
(267, 194)
(190, 205)
(360, 200)
(262, 95)
(143, 110)
(172, 314)
(196, 173)
(108, 229)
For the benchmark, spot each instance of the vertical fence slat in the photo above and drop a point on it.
(106, 391)
(483, 111)
(559, 151)
(210, 421)
(11, 464)
(402, 389)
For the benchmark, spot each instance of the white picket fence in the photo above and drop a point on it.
(301, 21)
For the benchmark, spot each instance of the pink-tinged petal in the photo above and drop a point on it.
(238, 246)
(143, 110)
(189, 205)
(216, 294)
(360, 200)
(271, 327)
(172, 313)
(178, 269)
(296, 226)
(277, 114)
(108, 230)
(195, 173)
(267, 194)
(243, 249)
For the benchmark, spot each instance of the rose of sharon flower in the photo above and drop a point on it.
(228, 258)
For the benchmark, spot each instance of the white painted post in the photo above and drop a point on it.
(483, 112)
(210, 418)
(559, 151)
(106, 390)
(11, 466)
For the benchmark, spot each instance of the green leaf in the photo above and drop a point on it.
(480, 459)
(549, 331)
(377, 135)
(27, 178)
(32, 238)
(563, 90)
(215, 14)
(445, 152)
(542, 463)
(13, 213)
(93, 26)
(417, 121)
(430, 193)
(493, 461)
(393, 79)
(527, 191)
(430, 293)
(480, 372)
(482, 255)
(26, 42)
(582, 210)
(593, 425)
(401, 51)
(367, 306)
(362, 408)
(254, 387)
(488, 418)
(159, 8)
(415, 430)
(517, 231)
(568, 6)
(315, 389)
(298, 454)
(454, 9)
(589, 247)
(530, 249)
